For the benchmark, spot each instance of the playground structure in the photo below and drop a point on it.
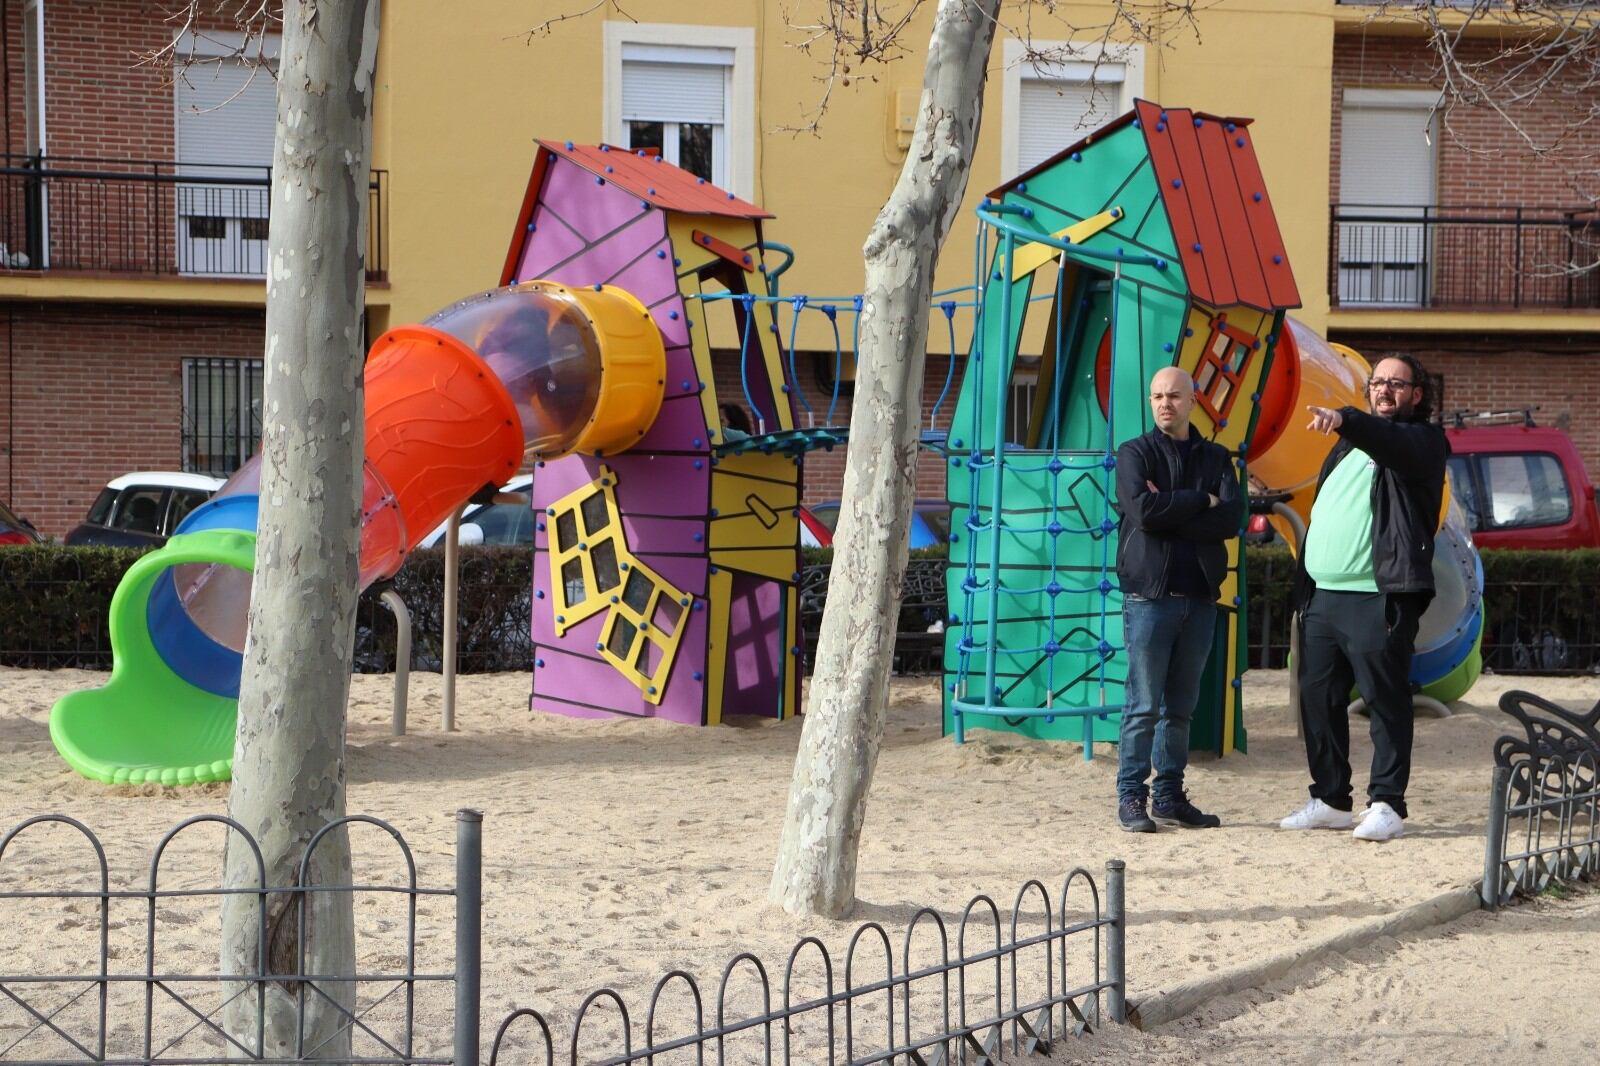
(666, 552)
(1153, 244)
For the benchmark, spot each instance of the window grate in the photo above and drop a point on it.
(221, 414)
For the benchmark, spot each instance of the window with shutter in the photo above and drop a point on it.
(1047, 106)
(1386, 170)
(1055, 112)
(686, 93)
(226, 116)
(674, 102)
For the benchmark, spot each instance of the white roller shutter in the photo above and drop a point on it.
(687, 85)
(227, 113)
(1385, 156)
(1386, 168)
(1056, 112)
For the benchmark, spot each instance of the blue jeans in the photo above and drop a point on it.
(1168, 641)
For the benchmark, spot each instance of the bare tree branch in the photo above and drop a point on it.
(547, 27)
(196, 21)
(1534, 66)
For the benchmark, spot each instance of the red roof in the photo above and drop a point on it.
(650, 178)
(1216, 199)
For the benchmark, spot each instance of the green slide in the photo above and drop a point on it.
(164, 717)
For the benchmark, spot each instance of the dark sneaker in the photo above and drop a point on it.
(1180, 812)
(1130, 812)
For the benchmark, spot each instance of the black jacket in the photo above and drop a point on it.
(1180, 511)
(1406, 496)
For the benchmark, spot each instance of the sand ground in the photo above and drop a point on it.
(1490, 988)
(616, 851)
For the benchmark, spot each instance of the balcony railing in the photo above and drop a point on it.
(152, 218)
(1476, 258)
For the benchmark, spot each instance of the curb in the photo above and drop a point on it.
(1172, 1004)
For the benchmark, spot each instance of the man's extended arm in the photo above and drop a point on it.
(1411, 449)
(1152, 511)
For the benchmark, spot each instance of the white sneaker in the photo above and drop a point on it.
(1379, 822)
(1316, 815)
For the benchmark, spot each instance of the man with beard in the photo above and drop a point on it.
(1365, 578)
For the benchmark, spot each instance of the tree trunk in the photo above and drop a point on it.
(289, 768)
(816, 867)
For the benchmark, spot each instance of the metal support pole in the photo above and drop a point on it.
(452, 574)
(1494, 851)
(469, 930)
(1116, 941)
(402, 657)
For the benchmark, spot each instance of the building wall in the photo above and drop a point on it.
(98, 393)
(1481, 161)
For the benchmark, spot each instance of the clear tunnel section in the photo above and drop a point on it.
(540, 343)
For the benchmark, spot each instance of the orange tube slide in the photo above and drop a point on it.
(1285, 455)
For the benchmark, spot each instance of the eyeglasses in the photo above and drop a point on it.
(1389, 383)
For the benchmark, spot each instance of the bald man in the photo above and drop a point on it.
(1179, 498)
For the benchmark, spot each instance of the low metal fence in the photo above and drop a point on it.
(1544, 805)
(926, 1014)
(1540, 627)
(965, 989)
(118, 999)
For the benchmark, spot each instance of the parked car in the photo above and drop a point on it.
(814, 532)
(142, 509)
(930, 521)
(507, 522)
(14, 530)
(1522, 485)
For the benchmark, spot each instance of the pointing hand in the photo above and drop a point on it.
(1324, 419)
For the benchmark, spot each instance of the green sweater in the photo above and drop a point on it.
(1339, 539)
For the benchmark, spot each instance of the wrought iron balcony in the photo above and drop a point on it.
(151, 218)
(1464, 258)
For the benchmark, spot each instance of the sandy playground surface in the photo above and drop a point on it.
(616, 851)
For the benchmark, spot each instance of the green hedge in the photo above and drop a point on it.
(494, 609)
(1542, 614)
(55, 604)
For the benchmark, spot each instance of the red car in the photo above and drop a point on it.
(14, 530)
(1522, 485)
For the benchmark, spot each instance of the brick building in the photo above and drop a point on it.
(1477, 222)
(133, 209)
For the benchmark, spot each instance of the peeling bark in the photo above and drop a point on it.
(289, 755)
(815, 871)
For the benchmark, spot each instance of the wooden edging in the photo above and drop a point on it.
(1173, 1003)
